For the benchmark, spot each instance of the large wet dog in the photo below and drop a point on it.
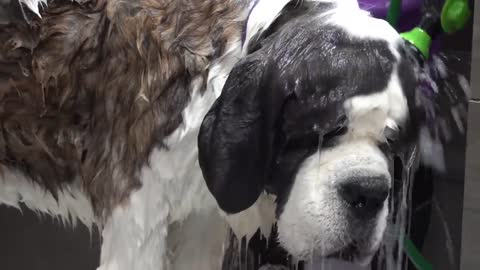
(147, 117)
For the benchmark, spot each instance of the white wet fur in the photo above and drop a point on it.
(72, 204)
(314, 221)
(174, 198)
(35, 5)
(264, 13)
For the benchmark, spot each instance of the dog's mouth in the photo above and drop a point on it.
(351, 257)
(352, 253)
(349, 253)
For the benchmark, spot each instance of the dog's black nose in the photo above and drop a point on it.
(364, 196)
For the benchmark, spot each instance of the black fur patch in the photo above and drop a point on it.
(279, 104)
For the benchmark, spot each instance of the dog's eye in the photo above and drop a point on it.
(392, 135)
(305, 141)
(342, 130)
(329, 138)
(297, 144)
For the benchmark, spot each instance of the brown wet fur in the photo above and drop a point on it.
(89, 90)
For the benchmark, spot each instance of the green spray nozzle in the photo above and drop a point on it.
(452, 17)
(420, 39)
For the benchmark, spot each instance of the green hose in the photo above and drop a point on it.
(394, 11)
(415, 256)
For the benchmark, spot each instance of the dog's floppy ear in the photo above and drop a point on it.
(236, 136)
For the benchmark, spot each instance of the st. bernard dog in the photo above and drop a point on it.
(166, 123)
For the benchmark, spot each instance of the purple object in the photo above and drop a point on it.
(410, 14)
(409, 17)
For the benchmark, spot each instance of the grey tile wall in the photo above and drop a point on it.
(476, 52)
(471, 213)
(472, 163)
(471, 240)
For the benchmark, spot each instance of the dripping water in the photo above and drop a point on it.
(441, 98)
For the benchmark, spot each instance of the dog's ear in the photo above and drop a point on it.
(236, 137)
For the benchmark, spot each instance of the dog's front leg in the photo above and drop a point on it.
(199, 241)
(134, 237)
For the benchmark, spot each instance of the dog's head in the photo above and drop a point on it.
(312, 115)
